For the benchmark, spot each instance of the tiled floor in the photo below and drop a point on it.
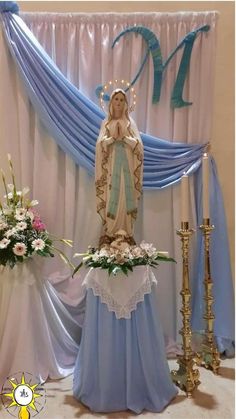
(214, 399)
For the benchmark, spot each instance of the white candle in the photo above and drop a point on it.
(205, 186)
(184, 198)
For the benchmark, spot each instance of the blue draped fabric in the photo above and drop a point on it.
(122, 363)
(220, 266)
(74, 122)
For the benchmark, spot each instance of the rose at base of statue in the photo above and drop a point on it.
(120, 241)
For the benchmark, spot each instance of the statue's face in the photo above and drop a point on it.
(118, 102)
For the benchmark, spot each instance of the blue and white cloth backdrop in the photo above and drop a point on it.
(80, 45)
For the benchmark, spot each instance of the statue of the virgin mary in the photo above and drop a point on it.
(118, 171)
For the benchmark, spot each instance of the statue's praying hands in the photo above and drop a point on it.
(118, 132)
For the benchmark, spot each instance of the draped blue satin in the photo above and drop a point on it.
(220, 266)
(74, 122)
(122, 363)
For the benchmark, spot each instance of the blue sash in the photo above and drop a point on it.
(121, 163)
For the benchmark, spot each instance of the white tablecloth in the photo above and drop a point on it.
(121, 293)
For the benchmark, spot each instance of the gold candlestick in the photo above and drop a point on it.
(209, 356)
(186, 377)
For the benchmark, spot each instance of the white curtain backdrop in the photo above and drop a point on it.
(80, 44)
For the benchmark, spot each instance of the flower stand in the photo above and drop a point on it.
(37, 333)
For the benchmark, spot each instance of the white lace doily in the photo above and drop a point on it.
(121, 293)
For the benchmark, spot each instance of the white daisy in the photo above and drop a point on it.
(21, 226)
(10, 232)
(19, 249)
(38, 244)
(4, 243)
(20, 214)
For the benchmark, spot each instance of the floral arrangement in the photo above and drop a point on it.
(22, 232)
(122, 260)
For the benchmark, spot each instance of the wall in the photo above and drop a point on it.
(223, 120)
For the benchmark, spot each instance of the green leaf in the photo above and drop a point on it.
(77, 268)
(124, 269)
(116, 270)
(110, 269)
(165, 259)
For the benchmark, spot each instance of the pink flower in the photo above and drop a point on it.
(38, 225)
(19, 249)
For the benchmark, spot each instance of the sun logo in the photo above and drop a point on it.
(23, 396)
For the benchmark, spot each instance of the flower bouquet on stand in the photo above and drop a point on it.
(22, 232)
(122, 257)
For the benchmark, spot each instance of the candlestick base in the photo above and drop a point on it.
(186, 378)
(208, 357)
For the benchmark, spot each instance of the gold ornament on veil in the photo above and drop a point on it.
(115, 84)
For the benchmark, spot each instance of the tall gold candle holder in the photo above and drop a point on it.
(209, 356)
(186, 377)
